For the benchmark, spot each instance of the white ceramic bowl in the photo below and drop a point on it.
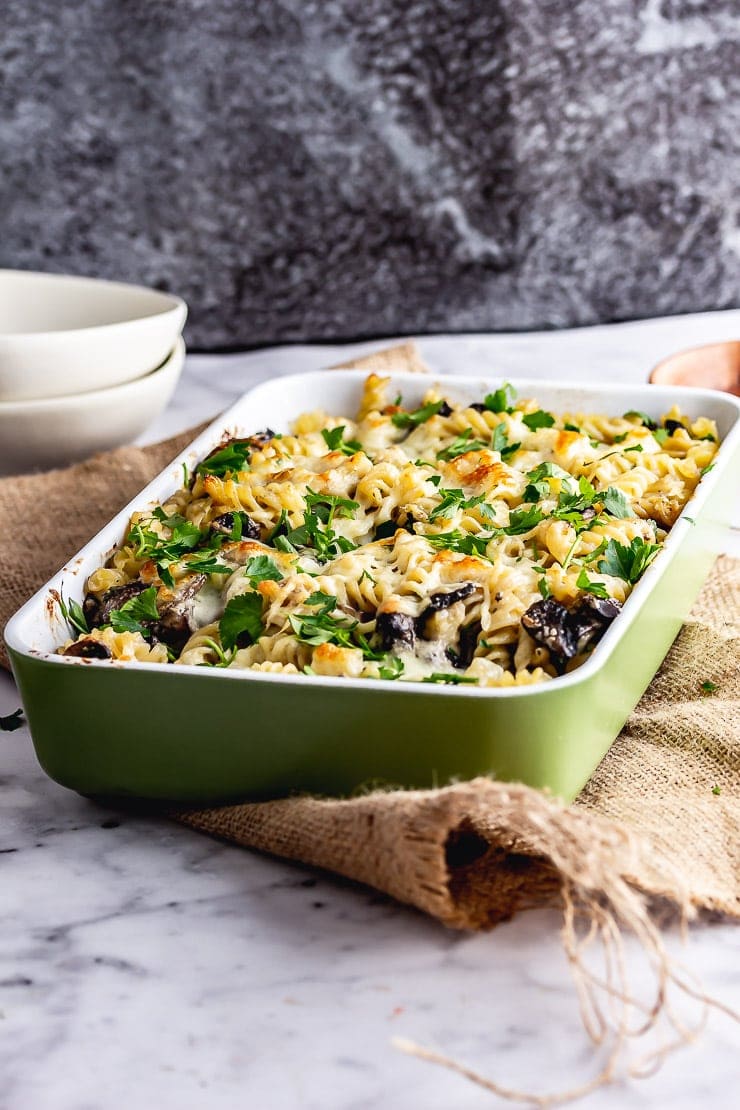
(36, 435)
(61, 335)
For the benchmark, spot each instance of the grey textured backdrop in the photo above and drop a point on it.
(341, 168)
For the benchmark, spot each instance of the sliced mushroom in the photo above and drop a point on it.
(396, 630)
(224, 525)
(88, 649)
(548, 623)
(607, 608)
(400, 518)
(430, 627)
(259, 439)
(176, 619)
(672, 426)
(98, 612)
(567, 632)
(467, 642)
(444, 600)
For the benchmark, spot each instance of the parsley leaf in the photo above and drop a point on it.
(716, 789)
(419, 416)
(637, 447)
(321, 627)
(523, 520)
(616, 504)
(621, 437)
(628, 563)
(73, 613)
(644, 419)
(461, 445)
(440, 677)
(327, 506)
(261, 568)
(500, 442)
(502, 399)
(335, 442)
(598, 589)
(660, 435)
(206, 562)
(132, 614)
(539, 419)
(455, 499)
(392, 668)
(232, 458)
(547, 470)
(464, 542)
(13, 721)
(709, 687)
(241, 623)
(535, 491)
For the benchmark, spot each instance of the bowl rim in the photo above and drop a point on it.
(175, 305)
(204, 440)
(66, 401)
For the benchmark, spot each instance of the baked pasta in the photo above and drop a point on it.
(489, 543)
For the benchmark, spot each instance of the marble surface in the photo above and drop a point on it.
(300, 169)
(144, 965)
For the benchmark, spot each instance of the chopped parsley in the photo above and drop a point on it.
(539, 419)
(133, 614)
(502, 399)
(544, 589)
(418, 416)
(241, 623)
(572, 428)
(500, 442)
(13, 721)
(628, 563)
(231, 459)
(184, 539)
(327, 506)
(523, 520)
(645, 420)
(392, 668)
(464, 542)
(716, 789)
(660, 435)
(333, 437)
(636, 447)
(316, 529)
(454, 499)
(705, 469)
(621, 437)
(535, 491)
(598, 589)
(616, 504)
(261, 568)
(443, 677)
(709, 687)
(206, 562)
(461, 445)
(547, 470)
(73, 615)
(321, 627)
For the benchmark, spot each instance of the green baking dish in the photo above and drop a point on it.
(189, 734)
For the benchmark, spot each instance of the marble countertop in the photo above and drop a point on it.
(145, 965)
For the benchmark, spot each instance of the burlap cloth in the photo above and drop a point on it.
(662, 811)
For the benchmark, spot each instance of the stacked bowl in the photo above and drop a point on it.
(85, 365)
